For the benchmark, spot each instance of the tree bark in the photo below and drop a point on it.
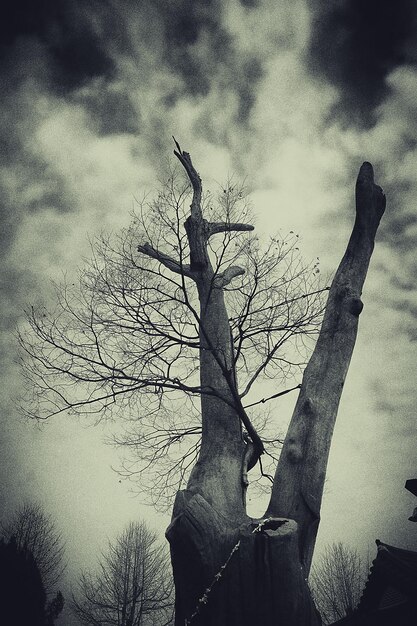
(231, 570)
(231, 574)
(218, 473)
(299, 479)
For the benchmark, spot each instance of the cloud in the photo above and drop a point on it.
(74, 74)
(92, 92)
(84, 43)
(63, 30)
(81, 135)
(355, 45)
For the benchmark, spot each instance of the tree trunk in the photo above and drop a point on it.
(231, 570)
(236, 574)
(299, 480)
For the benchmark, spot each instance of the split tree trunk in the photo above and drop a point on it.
(231, 570)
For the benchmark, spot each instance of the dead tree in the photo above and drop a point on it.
(124, 340)
(149, 326)
(230, 569)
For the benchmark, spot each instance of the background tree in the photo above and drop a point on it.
(337, 581)
(133, 585)
(22, 594)
(36, 531)
(184, 335)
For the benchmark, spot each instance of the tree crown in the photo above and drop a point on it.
(125, 339)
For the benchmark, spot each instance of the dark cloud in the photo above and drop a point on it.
(185, 22)
(194, 42)
(403, 283)
(198, 47)
(398, 232)
(28, 182)
(356, 43)
(251, 74)
(398, 229)
(20, 283)
(82, 43)
(110, 109)
(17, 290)
(63, 28)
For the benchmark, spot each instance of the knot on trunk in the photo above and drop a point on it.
(355, 306)
(294, 451)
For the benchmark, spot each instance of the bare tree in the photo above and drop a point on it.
(36, 531)
(125, 339)
(133, 585)
(207, 312)
(337, 580)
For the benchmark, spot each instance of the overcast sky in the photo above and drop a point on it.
(290, 95)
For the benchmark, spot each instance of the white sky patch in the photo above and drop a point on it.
(98, 171)
(298, 173)
(284, 24)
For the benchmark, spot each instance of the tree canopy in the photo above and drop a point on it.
(124, 339)
(337, 580)
(132, 585)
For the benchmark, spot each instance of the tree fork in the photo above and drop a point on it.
(260, 577)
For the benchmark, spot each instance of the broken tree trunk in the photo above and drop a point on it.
(231, 570)
(299, 479)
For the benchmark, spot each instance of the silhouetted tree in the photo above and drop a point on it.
(36, 531)
(206, 314)
(133, 585)
(337, 580)
(22, 595)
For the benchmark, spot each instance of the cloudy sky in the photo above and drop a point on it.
(289, 95)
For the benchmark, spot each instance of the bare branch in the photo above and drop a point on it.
(223, 279)
(194, 177)
(35, 530)
(336, 580)
(128, 340)
(275, 395)
(166, 260)
(132, 584)
(222, 227)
